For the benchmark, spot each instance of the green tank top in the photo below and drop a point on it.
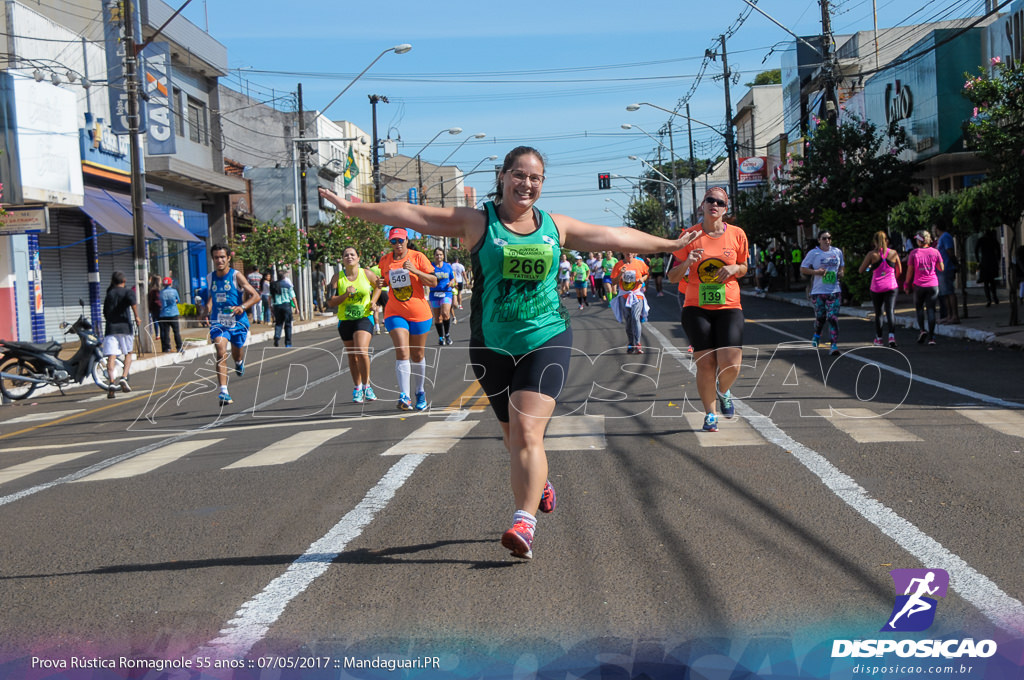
(517, 308)
(358, 306)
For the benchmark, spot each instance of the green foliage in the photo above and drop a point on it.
(854, 171)
(763, 214)
(646, 215)
(330, 239)
(926, 212)
(270, 244)
(772, 77)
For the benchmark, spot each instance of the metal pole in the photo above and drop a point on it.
(131, 84)
(675, 181)
(693, 174)
(374, 98)
(730, 142)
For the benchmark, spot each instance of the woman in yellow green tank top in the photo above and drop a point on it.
(519, 329)
(355, 295)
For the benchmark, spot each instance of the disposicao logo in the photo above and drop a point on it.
(914, 609)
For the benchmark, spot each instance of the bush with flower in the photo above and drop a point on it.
(269, 244)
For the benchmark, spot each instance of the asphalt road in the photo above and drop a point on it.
(295, 522)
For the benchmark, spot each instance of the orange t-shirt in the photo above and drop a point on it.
(639, 269)
(729, 248)
(407, 296)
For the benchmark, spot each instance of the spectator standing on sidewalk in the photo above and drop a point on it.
(826, 264)
(153, 300)
(988, 253)
(119, 307)
(265, 306)
(282, 297)
(947, 275)
(169, 300)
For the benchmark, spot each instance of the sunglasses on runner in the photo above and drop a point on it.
(711, 200)
(396, 241)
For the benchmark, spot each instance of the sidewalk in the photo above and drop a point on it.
(983, 324)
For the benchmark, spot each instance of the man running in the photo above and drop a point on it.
(230, 298)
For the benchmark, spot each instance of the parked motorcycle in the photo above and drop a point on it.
(24, 366)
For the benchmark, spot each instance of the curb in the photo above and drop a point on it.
(945, 330)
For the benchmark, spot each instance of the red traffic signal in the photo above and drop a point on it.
(604, 180)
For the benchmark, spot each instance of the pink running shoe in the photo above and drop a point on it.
(548, 500)
(519, 540)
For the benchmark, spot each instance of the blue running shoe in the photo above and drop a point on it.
(725, 404)
(240, 368)
(834, 350)
(815, 339)
(224, 399)
(404, 403)
(368, 394)
(548, 500)
(711, 423)
(519, 539)
(421, 401)
(357, 395)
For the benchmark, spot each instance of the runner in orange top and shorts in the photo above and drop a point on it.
(712, 313)
(629, 275)
(407, 315)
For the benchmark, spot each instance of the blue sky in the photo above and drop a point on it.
(553, 75)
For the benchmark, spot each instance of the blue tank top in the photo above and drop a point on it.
(225, 295)
(444, 276)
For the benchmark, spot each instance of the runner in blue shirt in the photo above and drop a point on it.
(230, 298)
(441, 298)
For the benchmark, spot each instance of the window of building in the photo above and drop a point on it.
(179, 119)
(198, 130)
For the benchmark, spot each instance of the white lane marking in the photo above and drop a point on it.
(731, 432)
(575, 433)
(36, 417)
(289, 449)
(1004, 611)
(252, 621)
(150, 461)
(102, 465)
(436, 437)
(865, 427)
(19, 471)
(1006, 422)
(962, 391)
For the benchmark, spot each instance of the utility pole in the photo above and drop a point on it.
(676, 189)
(303, 207)
(828, 65)
(730, 140)
(693, 167)
(131, 84)
(374, 98)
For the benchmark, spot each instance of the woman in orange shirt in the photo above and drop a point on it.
(712, 313)
(630, 306)
(407, 315)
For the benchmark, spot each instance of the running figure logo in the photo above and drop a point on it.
(914, 610)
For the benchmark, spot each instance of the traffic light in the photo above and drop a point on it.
(604, 180)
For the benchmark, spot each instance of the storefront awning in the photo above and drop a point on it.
(113, 212)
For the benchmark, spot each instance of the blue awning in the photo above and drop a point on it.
(113, 212)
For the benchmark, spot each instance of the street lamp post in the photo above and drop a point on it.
(672, 157)
(727, 136)
(397, 173)
(300, 192)
(479, 135)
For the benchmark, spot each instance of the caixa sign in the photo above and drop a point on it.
(899, 102)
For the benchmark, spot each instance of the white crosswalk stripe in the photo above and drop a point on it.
(24, 469)
(148, 462)
(435, 437)
(732, 432)
(1000, 420)
(865, 426)
(289, 449)
(575, 433)
(39, 417)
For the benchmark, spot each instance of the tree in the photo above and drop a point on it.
(331, 238)
(854, 171)
(996, 131)
(270, 244)
(764, 213)
(772, 77)
(646, 214)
